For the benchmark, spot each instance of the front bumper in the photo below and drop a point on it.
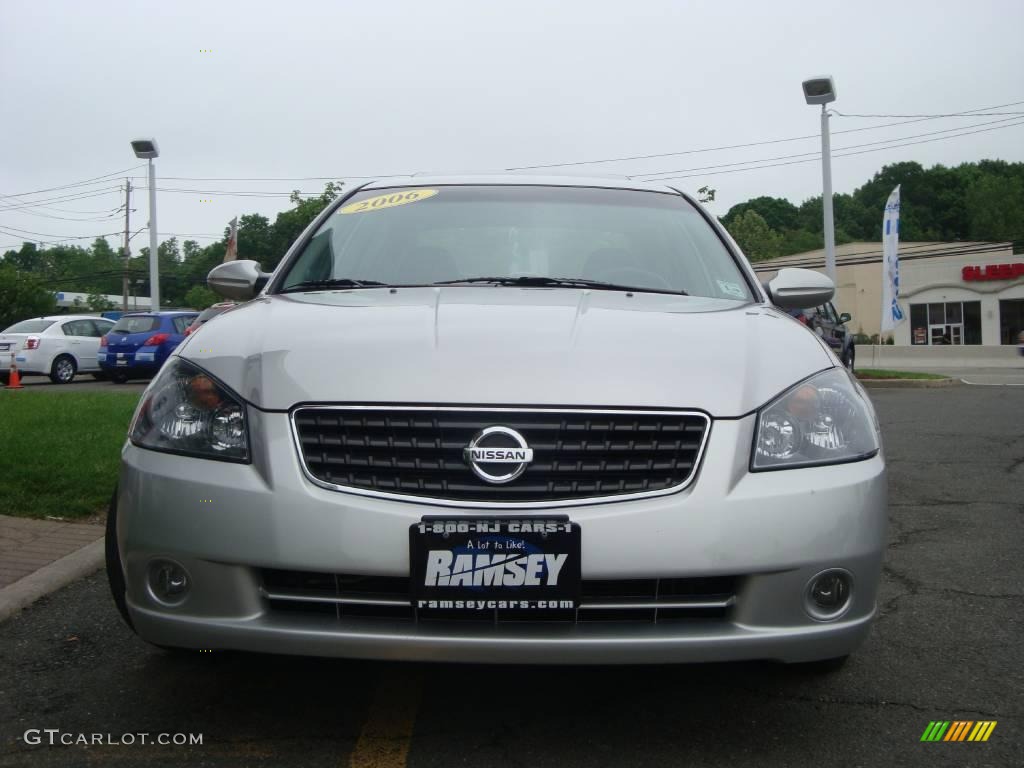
(774, 530)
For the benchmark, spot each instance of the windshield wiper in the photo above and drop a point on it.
(337, 282)
(541, 281)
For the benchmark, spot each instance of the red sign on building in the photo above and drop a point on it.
(994, 272)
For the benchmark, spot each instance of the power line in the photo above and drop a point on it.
(236, 193)
(51, 242)
(743, 146)
(60, 199)
(847, 154)
(41, 234)
(930, 117)
(816, 155)
(112, 214)
(84, 182)
(275, 178)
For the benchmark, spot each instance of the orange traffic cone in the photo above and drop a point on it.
(14, 382)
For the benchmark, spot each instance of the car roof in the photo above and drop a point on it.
(168, 313)
(519, 180)
(59, 318)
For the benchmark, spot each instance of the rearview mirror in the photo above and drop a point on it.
(795, 288)
(845, 317)
(239, 280)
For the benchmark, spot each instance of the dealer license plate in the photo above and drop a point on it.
(494, 563)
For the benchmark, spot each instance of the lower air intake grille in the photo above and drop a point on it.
(633, 600)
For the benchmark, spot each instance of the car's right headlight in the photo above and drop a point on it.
(826, 419)
(185, 410)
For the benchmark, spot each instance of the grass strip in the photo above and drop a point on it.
(60, 451)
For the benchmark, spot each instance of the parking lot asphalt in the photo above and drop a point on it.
(947, 645)
(83, 382)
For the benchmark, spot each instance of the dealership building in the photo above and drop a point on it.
(950, 293)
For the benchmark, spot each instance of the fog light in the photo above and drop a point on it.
(828, 594)
(168, 581)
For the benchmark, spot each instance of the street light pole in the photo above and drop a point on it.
(154, 256)
(146, 149)
(826, 196)
(126, 252)
(821, 90)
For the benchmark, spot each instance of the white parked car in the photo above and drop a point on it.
(58, 346)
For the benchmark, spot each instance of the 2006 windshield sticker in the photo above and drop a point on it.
(389, 200)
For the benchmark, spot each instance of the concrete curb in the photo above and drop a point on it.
(50, 578)
(908, 383)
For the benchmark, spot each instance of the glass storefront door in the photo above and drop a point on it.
(946, 334)
(949, 322)
(1011, 320)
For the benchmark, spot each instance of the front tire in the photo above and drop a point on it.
(850, 357)
(115, 573)
(63, 370)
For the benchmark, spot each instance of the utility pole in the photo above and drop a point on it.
(127, 250)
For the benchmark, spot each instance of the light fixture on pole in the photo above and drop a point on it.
(821, 90)
(146, 149)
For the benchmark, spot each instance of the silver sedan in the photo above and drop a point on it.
(505, 419)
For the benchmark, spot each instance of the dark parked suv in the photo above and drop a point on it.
(831, 326)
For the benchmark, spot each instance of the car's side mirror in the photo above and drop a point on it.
(845, 317)
(795, 288)
(239, 280)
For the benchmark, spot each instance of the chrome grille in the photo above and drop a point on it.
(387, 597)
(577, 454)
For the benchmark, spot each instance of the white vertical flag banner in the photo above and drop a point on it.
(232, 250)
(892, 315)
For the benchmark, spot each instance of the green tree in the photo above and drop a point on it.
(755, 237)
(256, 239)
(995, 208)
(22, 296)
(778, 213)
(28, 258)
(99, 303)
(200, 297)
(289, 224)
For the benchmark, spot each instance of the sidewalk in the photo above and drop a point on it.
(40, 556)
(1006, 377)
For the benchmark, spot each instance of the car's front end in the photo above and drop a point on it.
(495, 473)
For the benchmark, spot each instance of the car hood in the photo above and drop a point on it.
(507, 346)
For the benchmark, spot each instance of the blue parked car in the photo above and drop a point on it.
(140, 343)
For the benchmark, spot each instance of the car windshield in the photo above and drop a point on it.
(136, 324)
(30, 326)
(207, 313)
(536, 235)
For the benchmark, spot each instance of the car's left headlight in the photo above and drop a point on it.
(185, 410)
(826, 419)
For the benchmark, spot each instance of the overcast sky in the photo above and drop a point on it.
(343, 89)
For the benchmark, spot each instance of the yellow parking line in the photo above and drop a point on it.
(387, 732)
